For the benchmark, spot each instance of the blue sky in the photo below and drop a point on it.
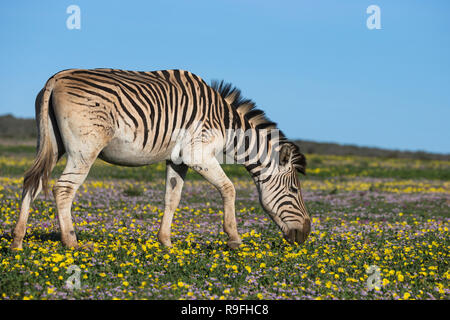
(313, 66)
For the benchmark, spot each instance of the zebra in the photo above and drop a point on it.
(134, 118)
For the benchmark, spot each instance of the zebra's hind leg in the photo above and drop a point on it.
(213, 172)
(175, 175)
(21, 225)
(27, 199)
(77, 168)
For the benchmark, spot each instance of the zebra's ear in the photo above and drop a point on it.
(290, 154)
(299, 162)
(285, 154)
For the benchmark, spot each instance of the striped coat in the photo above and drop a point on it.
(136, 118)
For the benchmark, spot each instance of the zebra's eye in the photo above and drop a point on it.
(293, 190)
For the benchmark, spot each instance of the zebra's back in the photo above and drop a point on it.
(138, 111)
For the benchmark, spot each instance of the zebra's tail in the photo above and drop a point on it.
(42, 165)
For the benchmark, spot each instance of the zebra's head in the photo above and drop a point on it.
(280, 193)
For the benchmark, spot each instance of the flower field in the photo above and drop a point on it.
(379, 231)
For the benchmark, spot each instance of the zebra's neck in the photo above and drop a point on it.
(254, 149)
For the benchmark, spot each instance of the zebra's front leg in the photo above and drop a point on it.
(175, 175)
(213, 172)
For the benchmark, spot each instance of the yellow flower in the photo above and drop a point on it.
(125, 283)
(260, 296)
(406, 295)
(249, 270)
(400, 277)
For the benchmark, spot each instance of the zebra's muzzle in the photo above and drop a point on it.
(297, 235)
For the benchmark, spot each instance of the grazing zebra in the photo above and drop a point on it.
(135, 118)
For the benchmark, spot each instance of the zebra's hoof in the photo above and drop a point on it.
(234, 244)
(16, 245)
(166, 244)
(70, 244)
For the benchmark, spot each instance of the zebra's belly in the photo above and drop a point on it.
(130, 154)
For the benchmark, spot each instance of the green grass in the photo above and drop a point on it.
(391, 213)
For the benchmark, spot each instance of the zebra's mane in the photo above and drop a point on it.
(257, 118)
